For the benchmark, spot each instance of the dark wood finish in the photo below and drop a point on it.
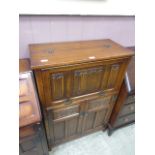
(97, 112)
(124, 110)
(125, 120)
(32, 140)
(32, 143)
(128, 109)
(78, 83)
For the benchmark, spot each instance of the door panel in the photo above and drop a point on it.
(71, 126)
(113, 76)
(95, 119)
(89, 119)
(64, 112)
(87, 80)
(97, 112)
(66, 122)
(110, 76)
(99, 118)
(99, 102)
(59, 131)
(71, 121)
(55, 86)
(63, 85)
(65, 128)
(58, 86)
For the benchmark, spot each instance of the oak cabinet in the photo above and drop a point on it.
(78, 83)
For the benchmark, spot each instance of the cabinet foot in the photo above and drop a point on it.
(110, 130)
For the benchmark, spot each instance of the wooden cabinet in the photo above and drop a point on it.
(124, 109)
(78, 83)
(32, 140)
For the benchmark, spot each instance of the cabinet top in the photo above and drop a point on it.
(66, 53)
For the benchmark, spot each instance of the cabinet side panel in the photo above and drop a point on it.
(118, 105)
(39, 82)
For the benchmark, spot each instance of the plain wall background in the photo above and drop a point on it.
(48, 28)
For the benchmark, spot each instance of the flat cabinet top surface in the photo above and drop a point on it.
(29, 110)
(56, 54)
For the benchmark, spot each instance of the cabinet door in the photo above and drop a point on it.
(65, 123)
(61, 85)
(97, 113)
(95, 79)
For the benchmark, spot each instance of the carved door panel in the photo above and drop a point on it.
(62, 85)
(97, 113)
(100, 78)
(56, 86)
(111, 75)
(66, 123)
(66, 128)
(87, 80)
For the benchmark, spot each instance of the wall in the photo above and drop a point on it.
(37, 29)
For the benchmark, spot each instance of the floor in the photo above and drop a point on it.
(121, 142)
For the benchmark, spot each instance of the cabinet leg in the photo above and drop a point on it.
(110, 130)
(49, 147)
